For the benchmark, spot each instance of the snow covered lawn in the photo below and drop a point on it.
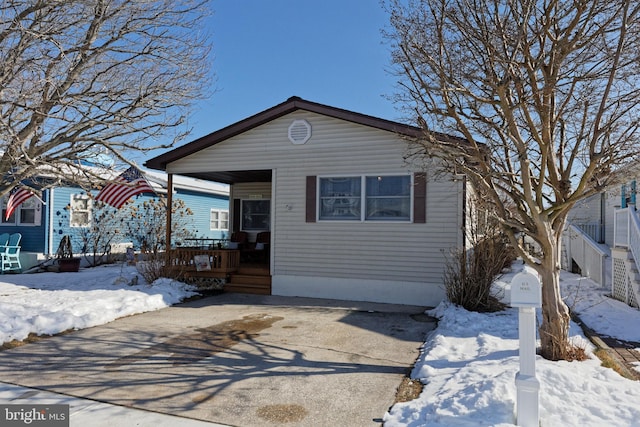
(49, 303)
(469, 363)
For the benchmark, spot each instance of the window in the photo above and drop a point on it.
(340, 198)
(385, 198)
(28, 213)
(255, 215)
(219, 220)
(388, 198)
(80, 212)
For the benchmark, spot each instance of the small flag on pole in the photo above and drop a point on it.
(127, 185)
(17, 196)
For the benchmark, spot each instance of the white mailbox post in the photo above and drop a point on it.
(526, 294)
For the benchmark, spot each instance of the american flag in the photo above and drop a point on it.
(17, 196)
(127, 185)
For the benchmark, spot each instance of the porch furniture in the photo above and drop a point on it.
(238, 240)
(258, 251)
(10, 253)
(4, 240)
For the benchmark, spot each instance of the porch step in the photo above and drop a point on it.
(252, 270)
(247, 285)
(250, 280)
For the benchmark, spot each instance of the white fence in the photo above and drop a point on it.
(582, 249)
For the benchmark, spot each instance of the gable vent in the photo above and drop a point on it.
(299, 131)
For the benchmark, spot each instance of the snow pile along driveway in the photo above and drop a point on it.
(49, 303)
(469, 363)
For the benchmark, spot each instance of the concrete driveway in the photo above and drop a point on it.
(239, 360)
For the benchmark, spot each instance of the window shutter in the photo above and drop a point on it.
(311, 199)
(236, 215)
(420, 198)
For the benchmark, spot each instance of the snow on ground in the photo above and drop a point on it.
(468, 364)
(49, 303)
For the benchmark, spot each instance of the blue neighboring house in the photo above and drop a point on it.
(67, 208)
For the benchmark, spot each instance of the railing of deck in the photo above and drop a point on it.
(219, 260)
(626, 236)
(586, 253)
(626, 231)
(593, 229)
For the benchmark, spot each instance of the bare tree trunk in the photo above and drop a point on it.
(554, 330)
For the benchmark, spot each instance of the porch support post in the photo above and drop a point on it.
(169, 210)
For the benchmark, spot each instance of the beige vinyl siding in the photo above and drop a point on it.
(330, 149)
(376, 250)
(394, 251)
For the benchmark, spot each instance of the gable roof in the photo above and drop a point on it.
(290, 105)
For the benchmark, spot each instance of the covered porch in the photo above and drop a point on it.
(231, 265)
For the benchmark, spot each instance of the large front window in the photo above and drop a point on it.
(340, 198)
(384, 198)
(389, 198)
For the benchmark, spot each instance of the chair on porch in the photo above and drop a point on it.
(11, 254)
(4, 239)
(238, 240)
(258, 251)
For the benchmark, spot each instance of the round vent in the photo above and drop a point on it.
(299, 131)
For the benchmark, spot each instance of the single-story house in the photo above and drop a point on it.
(67, 209)
(350, 215)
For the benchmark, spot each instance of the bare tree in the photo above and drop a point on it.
(85, 78)
(546, 94)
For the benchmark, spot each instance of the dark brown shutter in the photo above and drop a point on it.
(311, 199)
(236, 215)
(420, 198)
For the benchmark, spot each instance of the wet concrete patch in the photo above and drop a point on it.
(205, 342)
(282, 413)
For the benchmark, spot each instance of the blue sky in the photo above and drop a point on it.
(326, 51)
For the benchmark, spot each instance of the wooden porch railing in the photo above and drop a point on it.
(220, 261)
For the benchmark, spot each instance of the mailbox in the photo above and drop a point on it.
(526, 290)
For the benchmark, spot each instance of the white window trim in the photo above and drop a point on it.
(218, 211)
(16, 214)
(89, 210)
(363, 198)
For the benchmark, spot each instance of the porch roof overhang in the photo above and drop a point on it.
(233, 177)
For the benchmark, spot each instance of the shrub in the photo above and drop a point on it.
(154, 267)
(469, 274)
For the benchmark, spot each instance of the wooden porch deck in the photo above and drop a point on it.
(220, 269)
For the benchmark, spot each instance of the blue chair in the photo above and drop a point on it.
(11, 253)
(4, 241)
